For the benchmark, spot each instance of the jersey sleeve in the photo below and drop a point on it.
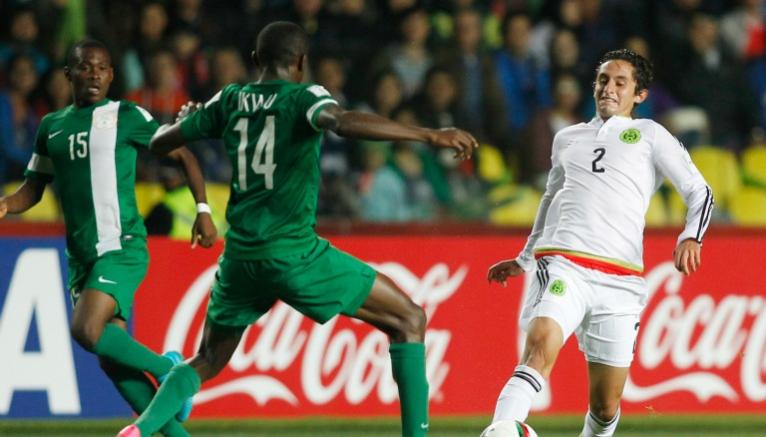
(144, 129)
(311, 102)
(526, 258)
(674, 162)
(208, 121)
(40, 165)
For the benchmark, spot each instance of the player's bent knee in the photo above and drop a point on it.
(605, 411)
(413, 324)
(86, 334)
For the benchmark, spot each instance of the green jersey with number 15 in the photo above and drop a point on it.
(91, 151)
(272, 140)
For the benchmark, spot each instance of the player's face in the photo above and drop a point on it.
(91, 75)
(615, 89)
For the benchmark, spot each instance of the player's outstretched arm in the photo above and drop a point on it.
(203, 230)
(27, 196)
(500, 271)
(362, 125)
(168, 136)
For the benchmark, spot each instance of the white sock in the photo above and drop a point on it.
(515, 399)
(595, 427)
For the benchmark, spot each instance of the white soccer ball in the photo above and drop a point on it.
(509, 428)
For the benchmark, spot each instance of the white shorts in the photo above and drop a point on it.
(602, 310)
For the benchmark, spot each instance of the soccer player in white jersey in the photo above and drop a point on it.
(588, 242)
(90, 147)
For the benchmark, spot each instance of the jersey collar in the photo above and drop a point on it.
(87, 109)
(597, 121)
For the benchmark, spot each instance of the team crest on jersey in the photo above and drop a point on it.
(558, 287)
(630, 136)
(105, 121)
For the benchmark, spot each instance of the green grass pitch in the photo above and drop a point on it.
(546, 426)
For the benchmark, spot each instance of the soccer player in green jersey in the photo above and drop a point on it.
(90, 147)
(272, 130)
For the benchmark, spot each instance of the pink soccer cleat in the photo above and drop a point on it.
(130, 431)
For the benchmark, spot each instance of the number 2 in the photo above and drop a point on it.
(265, 146)
(600, 151)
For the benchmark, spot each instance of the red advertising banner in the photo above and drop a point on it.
(701, 346)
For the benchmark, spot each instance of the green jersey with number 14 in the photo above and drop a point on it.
(92, 153)
(272, 140)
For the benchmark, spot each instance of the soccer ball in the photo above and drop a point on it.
(509, 428)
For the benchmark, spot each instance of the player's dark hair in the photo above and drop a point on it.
(280, 44)
(643, 71)
(72, 57)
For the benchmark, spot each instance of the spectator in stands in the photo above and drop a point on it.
(565, 59)
(410, 57)
(436, 105)
(671, 21)
(330, 73)
(187, 14)
(383, 192)
(744, 29)
(336, 197)
(707, 75)
(546, 122)
(18, 119)
(347, 31)
(479, 98)
(525, 84)
(420, 197)
(150, 37)
(55, 93)
(389, 12)
(162, 95)
(192, 64)
(22, 38)
(386, 94)
(603, 23)
(435, 165)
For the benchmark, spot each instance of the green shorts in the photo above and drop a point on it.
(117, 273)
(320, 283)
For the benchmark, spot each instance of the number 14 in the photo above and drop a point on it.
(260, 164)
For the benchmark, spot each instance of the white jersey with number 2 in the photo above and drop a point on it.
(602, 178)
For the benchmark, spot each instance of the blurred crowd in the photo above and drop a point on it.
(512, 72)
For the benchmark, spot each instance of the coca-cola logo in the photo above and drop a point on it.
(355, 357)
(699, 338)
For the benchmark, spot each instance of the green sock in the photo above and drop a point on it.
(138, 391)
(117, 345)
(181, 384)
(409, 367)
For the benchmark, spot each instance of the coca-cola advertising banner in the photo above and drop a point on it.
(701, 345)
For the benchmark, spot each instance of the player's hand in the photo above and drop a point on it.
(687, 256)
(461, 141)
(502, 270)
(3, 207)
(187, 109)
(203, 231)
